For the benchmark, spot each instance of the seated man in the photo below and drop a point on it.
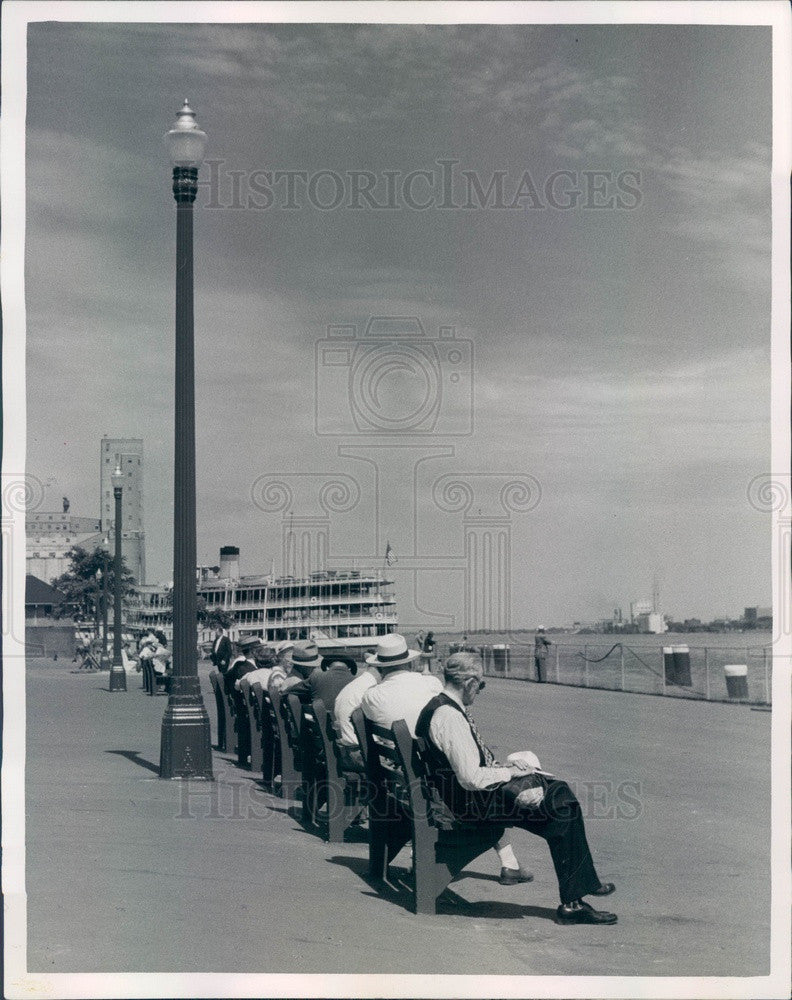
(262, 658)
(403, 694)
(282, 667)
(348, 699)
(473, 786)
(326, 681)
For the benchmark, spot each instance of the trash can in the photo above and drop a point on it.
(736, 679)
(682, 666)
(500, 658)
(669, 664)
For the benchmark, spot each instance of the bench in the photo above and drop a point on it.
(270, 739)
(325, 781)
(401, 811)
(254, 721)
(216, 680)
(290, 761)
(153, 682)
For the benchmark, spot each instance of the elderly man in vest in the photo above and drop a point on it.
(471, 784)
(403, 693)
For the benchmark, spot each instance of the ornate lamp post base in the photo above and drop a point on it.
(117, 677)
(185, 746)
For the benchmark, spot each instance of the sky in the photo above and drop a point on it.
(608, 296)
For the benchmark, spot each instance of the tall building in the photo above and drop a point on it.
(128, 454)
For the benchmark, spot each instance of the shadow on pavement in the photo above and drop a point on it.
(135, 757)
(449, 903)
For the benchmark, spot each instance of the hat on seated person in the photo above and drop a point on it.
(249, 642)
(328, 661)
(392, 652)
(303, 655)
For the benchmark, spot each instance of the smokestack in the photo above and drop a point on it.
(229, 562)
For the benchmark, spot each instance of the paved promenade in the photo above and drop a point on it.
(129, 873)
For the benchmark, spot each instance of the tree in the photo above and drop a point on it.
(218, 618)
(79, 582)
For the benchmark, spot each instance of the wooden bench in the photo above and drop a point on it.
(290, 761)
(270, 739)
(325, 781)
(216, 680)
(401, 811)
(153, 682)
(254, 720)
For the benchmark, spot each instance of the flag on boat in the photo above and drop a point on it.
(390, 555)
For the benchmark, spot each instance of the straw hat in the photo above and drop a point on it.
(392, 651)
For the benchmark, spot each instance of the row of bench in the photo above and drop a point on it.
(299, 743)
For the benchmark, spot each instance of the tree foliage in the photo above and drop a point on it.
(80, 584)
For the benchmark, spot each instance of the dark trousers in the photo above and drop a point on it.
(558, 819)
(541, 668)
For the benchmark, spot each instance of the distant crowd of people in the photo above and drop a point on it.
(396, 682)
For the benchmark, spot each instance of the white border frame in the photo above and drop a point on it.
(16, 14)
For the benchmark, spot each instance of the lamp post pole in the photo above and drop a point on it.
(185, 748)
(105, 574)
(117, 672)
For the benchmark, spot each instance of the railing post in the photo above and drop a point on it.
(558, 667)
(766, 675)
(621, 666)
(585, 665)
(706, 674)
(662, 671)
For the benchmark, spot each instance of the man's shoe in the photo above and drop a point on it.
(583, 914)
(514, 876)
(605, 889)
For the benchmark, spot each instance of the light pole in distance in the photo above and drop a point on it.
(117, 672)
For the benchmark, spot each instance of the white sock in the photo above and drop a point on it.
(508, 858)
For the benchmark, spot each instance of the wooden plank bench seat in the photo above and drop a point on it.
(401, 811)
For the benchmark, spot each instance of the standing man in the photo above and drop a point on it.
(541, 646)
(221, 650)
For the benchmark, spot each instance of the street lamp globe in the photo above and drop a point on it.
(117, 478)
(185, 141)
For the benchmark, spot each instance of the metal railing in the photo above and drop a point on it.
(643, 670)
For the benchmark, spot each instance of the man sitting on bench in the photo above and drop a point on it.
(470, 783)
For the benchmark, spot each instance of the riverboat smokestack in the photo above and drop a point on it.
(229, 562)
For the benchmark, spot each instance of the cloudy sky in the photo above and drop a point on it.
(610, 294)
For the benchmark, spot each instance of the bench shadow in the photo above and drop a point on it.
(134, 756)
(449, 903)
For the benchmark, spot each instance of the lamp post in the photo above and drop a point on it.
(117, 672)
(105, 559)
(185, 747)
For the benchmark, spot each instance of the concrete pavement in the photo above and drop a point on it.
(128, 873)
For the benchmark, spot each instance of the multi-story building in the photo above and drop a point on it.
(50, 536)
(127, 454)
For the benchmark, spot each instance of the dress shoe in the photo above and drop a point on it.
(514, 876)
(605, 889)
(582, 913)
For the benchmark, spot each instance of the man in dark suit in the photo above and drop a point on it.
(222, 651)
(326, 681)
(468, 784)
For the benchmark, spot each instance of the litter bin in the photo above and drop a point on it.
(682, 666)
(676, 660)
(736, 679)
(669, 664)
(500, 658)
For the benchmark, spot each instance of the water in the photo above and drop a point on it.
(636, 662)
